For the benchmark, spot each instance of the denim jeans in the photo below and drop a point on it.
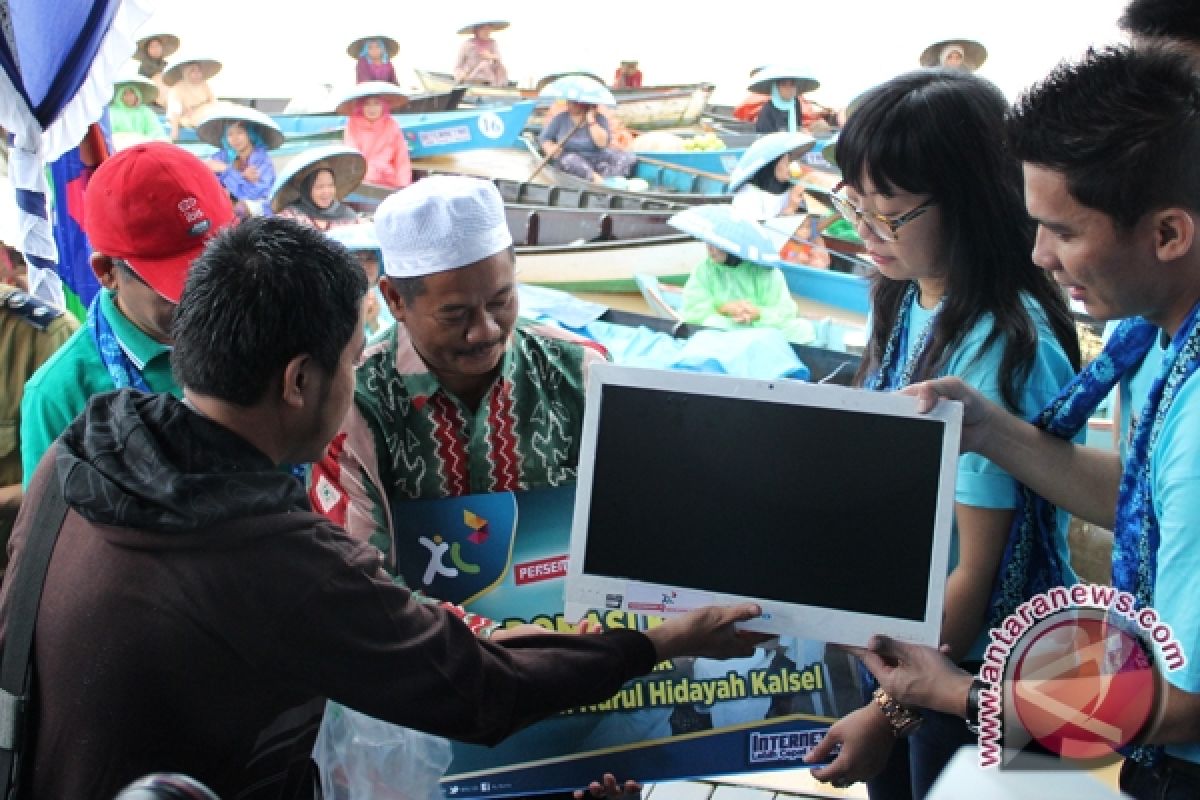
(917, 761)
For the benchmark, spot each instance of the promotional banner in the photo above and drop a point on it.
(505, 556)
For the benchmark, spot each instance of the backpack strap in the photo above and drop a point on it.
(16, 667)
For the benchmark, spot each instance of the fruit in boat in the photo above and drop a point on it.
(704, 141)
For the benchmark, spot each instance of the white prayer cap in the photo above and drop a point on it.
(440, 223)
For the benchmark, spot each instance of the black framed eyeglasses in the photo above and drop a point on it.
(885, 228)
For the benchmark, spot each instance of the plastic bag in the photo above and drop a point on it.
(362, 757)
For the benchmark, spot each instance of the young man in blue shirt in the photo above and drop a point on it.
(1111, 178)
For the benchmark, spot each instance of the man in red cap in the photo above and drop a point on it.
(149, 211)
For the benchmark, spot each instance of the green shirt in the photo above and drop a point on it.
(407, 438)
(140, 120)
(712, 285)
(60, 389)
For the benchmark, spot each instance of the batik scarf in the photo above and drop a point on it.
(1136, 533)
(121, 369)
(896, 369)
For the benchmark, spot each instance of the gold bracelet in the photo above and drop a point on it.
(903, 720)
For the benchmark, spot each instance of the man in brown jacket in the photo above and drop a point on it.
(197, 614)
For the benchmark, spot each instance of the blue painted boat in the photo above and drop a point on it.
(453, 131)
(667, 183)
(330, 124)
(430, 134)
(840, 290)
(718, 162)
(664, 176)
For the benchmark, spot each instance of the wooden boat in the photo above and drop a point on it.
(594, 239)
(434, 81)
(668, 182)
(687, 176)
(557, 221)
(646, 108)
(610, 266)
(583, 241)
(722, 162)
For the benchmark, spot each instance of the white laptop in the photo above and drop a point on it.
(830, 507)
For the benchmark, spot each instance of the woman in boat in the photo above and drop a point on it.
(729, 289)
(190, 97)
(243, 138)
(784, 107)
(314, 184)
(762, 183)
(372, 131)
(580, 140)
(374, 55)
(940, 210)
(479, 57)
(964, 54)
(152, 54)
(130, 112)
(628, 75)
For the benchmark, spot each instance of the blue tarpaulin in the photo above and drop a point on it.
(751, 353)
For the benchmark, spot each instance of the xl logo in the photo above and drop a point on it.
(438, 548)
(455, 548)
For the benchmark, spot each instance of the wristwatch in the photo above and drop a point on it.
(973, 697)
(903, 720)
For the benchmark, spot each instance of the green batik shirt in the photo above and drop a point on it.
(407, 438)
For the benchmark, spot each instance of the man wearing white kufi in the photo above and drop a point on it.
(455, 399)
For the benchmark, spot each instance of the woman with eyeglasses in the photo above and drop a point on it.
(938, 202)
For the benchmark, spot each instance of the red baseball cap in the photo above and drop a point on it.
(154, 206)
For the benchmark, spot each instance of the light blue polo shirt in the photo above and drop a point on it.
(980, 483)
(1175, 485)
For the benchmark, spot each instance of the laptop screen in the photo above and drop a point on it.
(786, 494)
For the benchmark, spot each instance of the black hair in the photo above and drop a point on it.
(1121, 125)
(263, 292)
(1163, 19)
(408, 288)
(940, 132)
(765, 178)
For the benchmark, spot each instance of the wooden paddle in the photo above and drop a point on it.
(546, 158)
(654, 162)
